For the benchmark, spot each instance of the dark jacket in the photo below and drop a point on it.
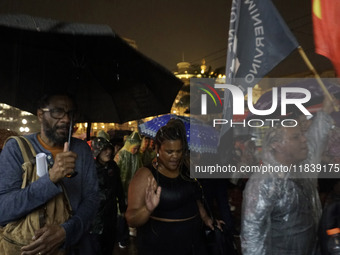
(110, 192)
(82, 190)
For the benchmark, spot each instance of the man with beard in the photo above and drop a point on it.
(54, 113)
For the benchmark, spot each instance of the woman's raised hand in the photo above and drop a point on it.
(152, 195)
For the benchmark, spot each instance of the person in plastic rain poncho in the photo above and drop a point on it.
(281, 210)
(128, 159)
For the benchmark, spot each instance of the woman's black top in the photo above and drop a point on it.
(178, 197)
(178, 201)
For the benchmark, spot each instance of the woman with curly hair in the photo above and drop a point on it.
(164, 203)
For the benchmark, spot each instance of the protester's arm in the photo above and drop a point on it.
(14, 201)
(204, 215)
(317, 133)
(328, 105)
(257, 207)
(143, 198)
(51, 237)
(80, 222)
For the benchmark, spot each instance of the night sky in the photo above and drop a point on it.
(167, 30)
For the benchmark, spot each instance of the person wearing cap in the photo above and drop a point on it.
(103, 230)
(104, 135)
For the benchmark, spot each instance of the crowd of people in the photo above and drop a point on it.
(142, 187)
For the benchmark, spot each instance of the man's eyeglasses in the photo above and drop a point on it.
(58, 113)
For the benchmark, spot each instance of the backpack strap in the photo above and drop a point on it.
(26, 148)
(29, 149)
(28, 153)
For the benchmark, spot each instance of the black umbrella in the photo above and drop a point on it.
(112, 82)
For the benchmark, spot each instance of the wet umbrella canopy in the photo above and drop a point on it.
(111, 81)
(201, 138)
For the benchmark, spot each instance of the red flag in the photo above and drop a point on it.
(326, 22)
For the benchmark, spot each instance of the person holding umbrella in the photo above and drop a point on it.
(54, 113)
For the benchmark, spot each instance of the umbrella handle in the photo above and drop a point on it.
(74, 173)
(70, 133)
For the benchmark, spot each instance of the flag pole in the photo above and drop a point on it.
(317, 76)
